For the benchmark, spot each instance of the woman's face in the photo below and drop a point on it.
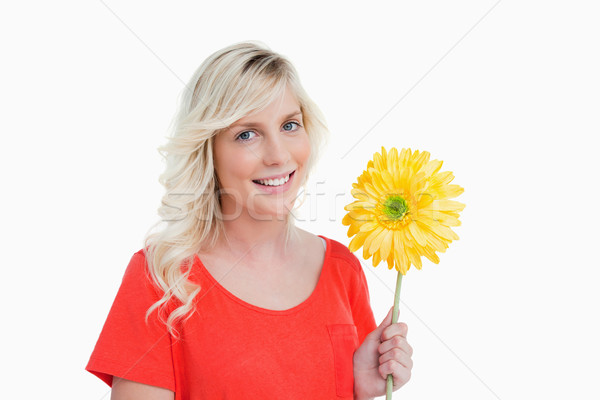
(271, 144)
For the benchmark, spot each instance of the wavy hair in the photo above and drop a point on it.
(228, 85)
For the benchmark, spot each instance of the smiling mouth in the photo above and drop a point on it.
(274, 182)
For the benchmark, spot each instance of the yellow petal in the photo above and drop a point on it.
(420, 159)
(392, 159)
(398, 244)
(390, 260)
(360, 193)
(433, 167)
(386, 244)
(414, 257)
(369, 226)
(402, 263)
(400, 257)
(450, 191)
(404, 158)
(347, 220)
(376, 181)
(388, 180)
(376, 259)
(432, 239)
(370, 190)
(442, 178)
(404, 178)
(417, 234)
(449, 205)
(430, 254)
(376, 243)
(357, 241)
(367, 205)
(447, 219)
(378, 160)
(369, 240)
(424, 199)
(353, 229)
(417, 182)
(445, 233)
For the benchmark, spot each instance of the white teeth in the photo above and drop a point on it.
(274, 182)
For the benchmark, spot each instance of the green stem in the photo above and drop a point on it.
(395, 312)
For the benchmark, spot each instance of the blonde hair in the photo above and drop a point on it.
(228, 85)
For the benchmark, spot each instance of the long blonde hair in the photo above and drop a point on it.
(227, 86)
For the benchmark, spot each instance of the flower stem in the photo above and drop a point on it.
(395, 312)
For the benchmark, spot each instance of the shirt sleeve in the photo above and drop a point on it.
(128, 347)
(361, 304)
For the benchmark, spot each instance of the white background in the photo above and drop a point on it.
(506, 93)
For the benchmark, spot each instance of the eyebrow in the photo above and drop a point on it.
(252, 124)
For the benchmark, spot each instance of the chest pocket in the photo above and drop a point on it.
(344, 341)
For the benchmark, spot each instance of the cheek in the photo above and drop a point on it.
(230, 170)
(302, 151)
(230, 164)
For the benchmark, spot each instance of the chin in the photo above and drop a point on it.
(272, 213)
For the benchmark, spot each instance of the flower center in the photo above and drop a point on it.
(395, 207)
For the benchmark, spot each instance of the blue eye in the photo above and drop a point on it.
(244, 135)
(290, 123)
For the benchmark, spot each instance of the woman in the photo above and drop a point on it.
(229, 300)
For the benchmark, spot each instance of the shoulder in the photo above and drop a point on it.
(348, 270)
(138, 264)
(335, 251)
(340, 253)
(138, 278)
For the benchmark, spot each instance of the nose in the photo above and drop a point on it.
(276, 150)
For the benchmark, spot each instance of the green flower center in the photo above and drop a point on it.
(395, 207)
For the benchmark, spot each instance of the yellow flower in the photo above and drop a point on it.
(403, 211)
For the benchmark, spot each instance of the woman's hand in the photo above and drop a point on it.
(384, 351)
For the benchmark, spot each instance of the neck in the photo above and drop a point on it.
(258, 239)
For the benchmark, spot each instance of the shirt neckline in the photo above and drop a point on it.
(310, 299)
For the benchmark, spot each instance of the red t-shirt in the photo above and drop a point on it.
(230, 349)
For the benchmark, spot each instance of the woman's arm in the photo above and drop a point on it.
(123, 389)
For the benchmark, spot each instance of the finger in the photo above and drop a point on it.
(400, 373)
(398, 355)
(398, 342)
(399, 328)
(387, 321)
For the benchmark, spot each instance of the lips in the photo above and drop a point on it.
(276, 189)
(279, 177)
